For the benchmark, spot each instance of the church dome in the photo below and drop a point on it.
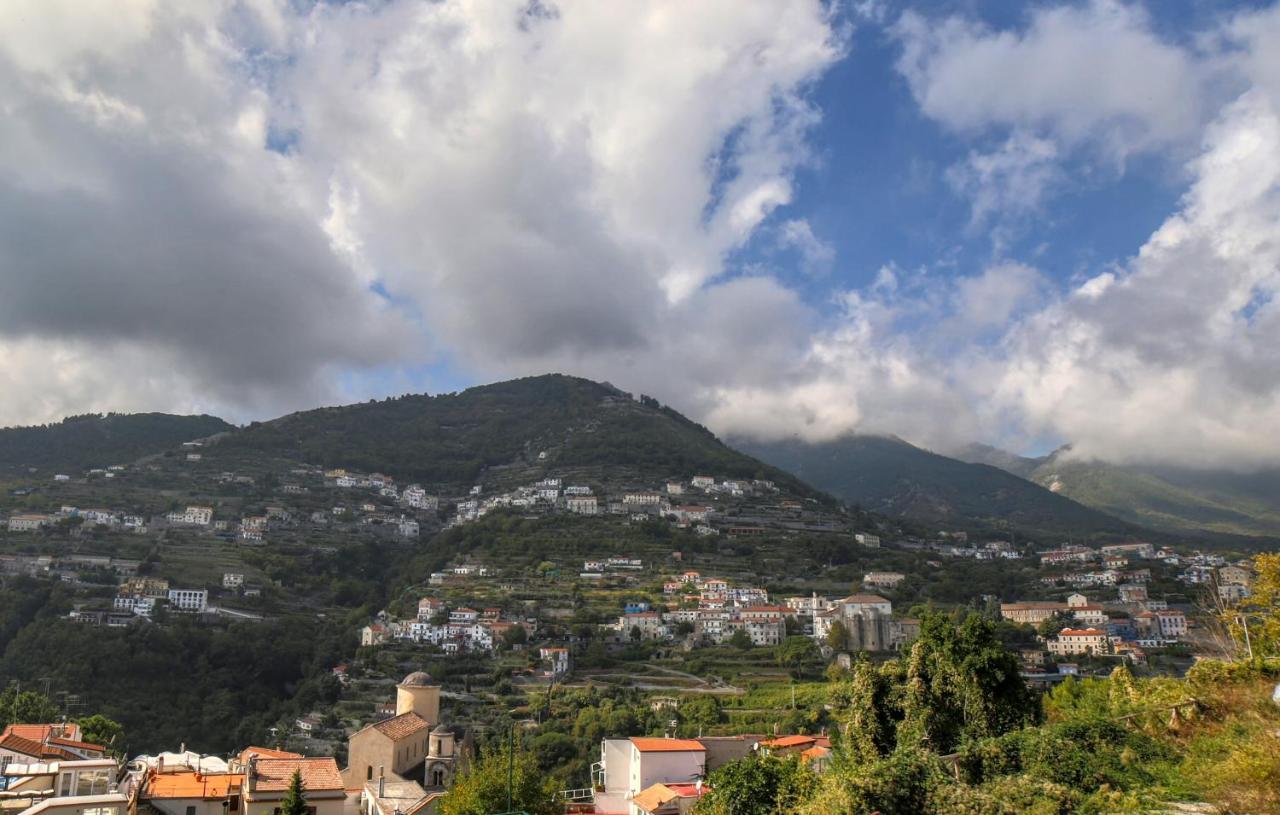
(417, 679)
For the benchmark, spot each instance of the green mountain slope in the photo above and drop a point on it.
(1177, 501)
(890, 476)
(82, 442)
(501, 432)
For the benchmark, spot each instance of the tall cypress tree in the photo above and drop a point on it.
(295, 801)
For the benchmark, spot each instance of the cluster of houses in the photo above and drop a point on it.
(1124, 628)
(711, 610)
(454, 630)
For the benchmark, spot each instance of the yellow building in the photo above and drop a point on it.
(404, 748)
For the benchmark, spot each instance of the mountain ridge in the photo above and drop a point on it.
(891, 476)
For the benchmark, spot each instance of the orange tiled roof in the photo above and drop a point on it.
(78, 745)
(402, 726)
(38, 732)
(667, 745)
(192, 785)
(266, 752)
(654, 797)
(1080, 632)
(274, 774)
(789, 741)
(19, 744)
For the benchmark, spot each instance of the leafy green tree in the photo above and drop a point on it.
(795, 652)
(699, 713)
(838, 636)
(758, 785)
(740, 639)
(295, 800)
(483, 790)
(962, 683)
(98, 729)
(26, 707)
(1260, 610)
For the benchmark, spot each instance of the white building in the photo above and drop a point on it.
(27, 522)
(232, 580)
(627, 767)
(883, 580)
(193, 601)
(408, 528)
(582, 504)
(703, 482)
(867, 539)
(642, 499)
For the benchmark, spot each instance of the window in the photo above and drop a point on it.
(368, 773)
(191, 810)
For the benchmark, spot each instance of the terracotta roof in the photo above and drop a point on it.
(78, 745)
(815, 752)
(654, 797)
(402, 726)
(667, 745)
(38, 732)
(266, 752)
(192, 785)
(274, 774)
(789, 741)
(1081, 632)
(864, 598)
(19, 744)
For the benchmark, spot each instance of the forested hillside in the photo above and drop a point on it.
(507, 427)
(890, 476)
(82, 442)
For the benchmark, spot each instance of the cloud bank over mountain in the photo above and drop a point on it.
(246, 207)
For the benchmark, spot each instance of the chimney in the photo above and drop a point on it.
(251, 774)
(160, 766)
(382, 784)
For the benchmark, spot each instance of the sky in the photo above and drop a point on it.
(1022, 224)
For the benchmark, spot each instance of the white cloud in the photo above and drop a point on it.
(1082, 73)
(816, 255)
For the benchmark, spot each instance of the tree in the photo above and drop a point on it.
(513, 636)
(698, 713)
(26, 707)
(838, 636)
(483, 789)
(757, 785)
(1261, 610)
(98, 729)
(740, 639)
(794, 652)
(295, 800)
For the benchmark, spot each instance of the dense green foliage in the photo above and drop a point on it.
(82, 442)
(483, 788)
(758, 785)
(957, 684)
(454, 438)
(888, 475)
(169, 684)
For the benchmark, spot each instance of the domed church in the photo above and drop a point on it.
(412, 746)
